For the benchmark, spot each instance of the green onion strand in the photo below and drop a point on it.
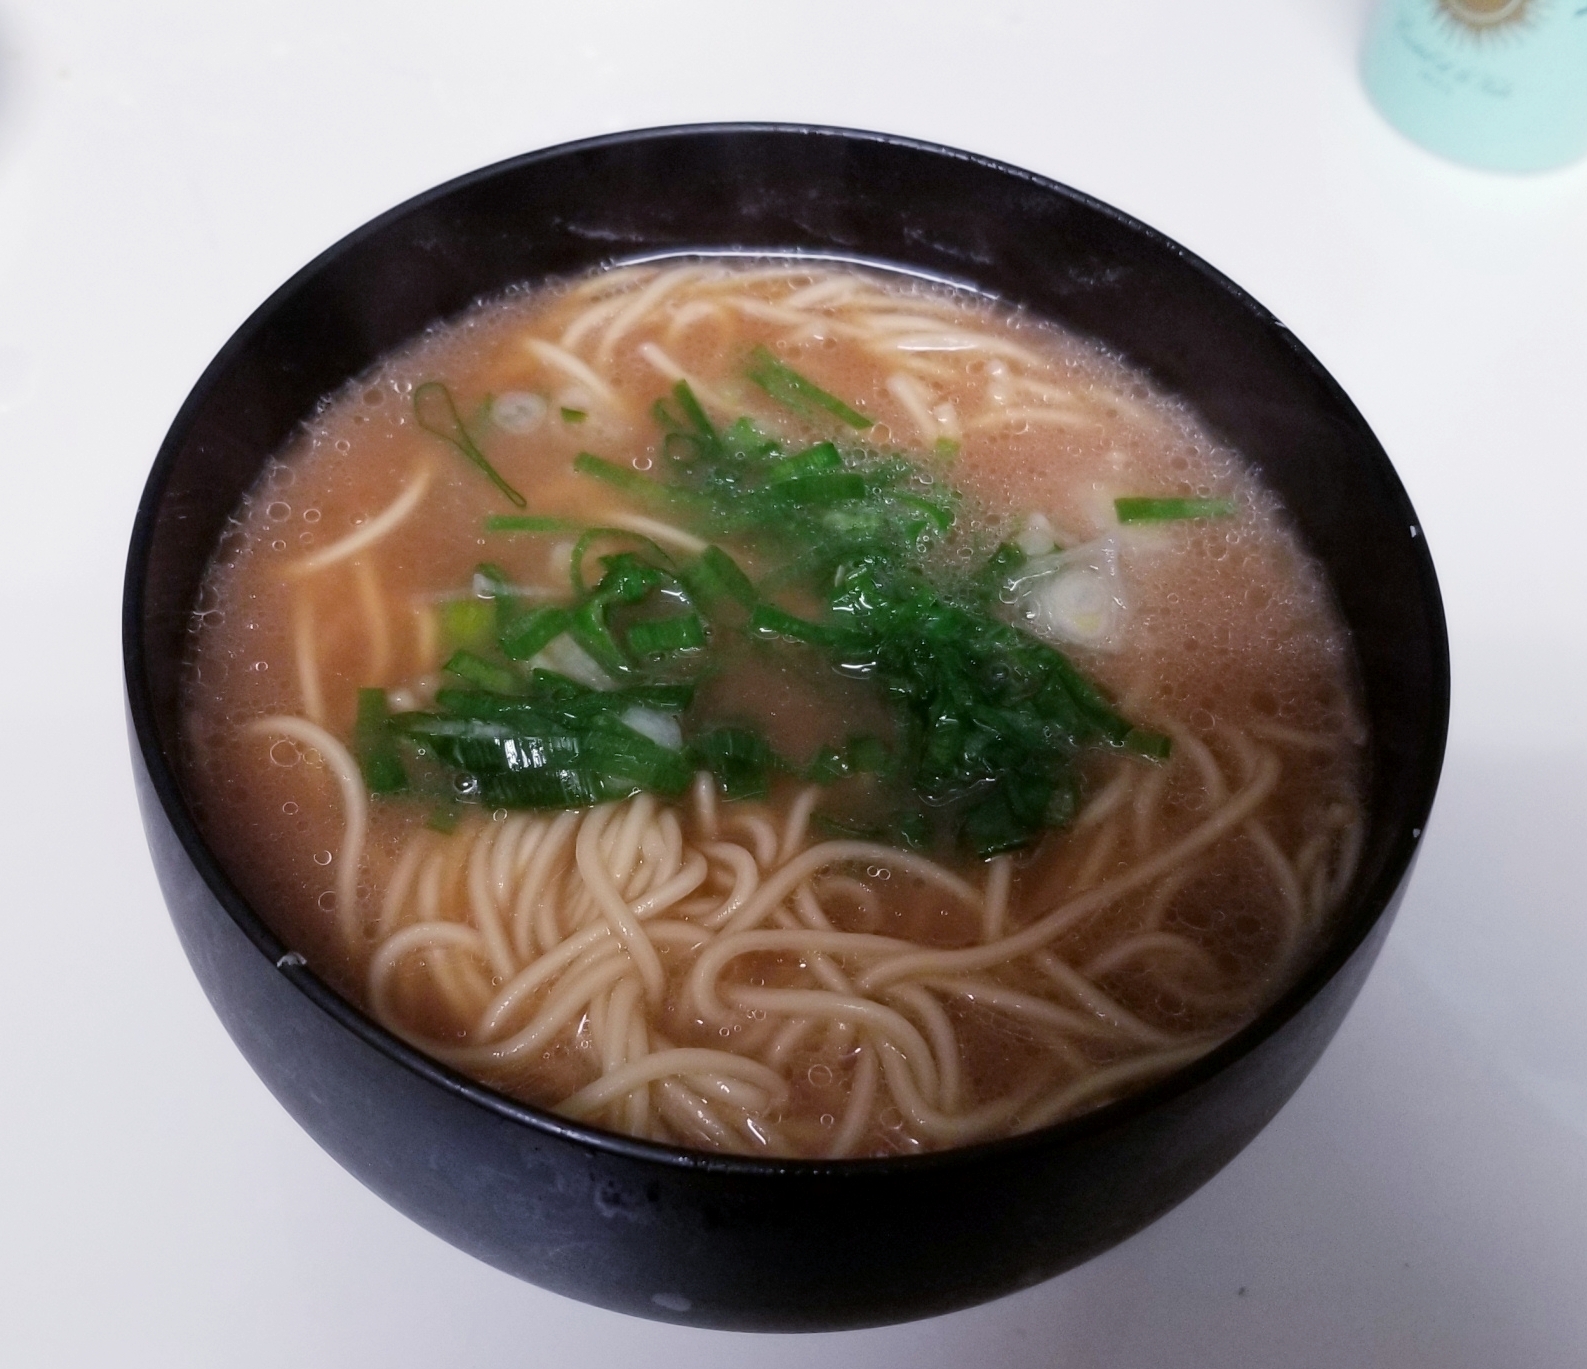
(793, 391)
(1154, 510)
(528, 522)
(436, 411)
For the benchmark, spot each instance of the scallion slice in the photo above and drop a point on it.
(638, 486)
(528, 522)
(529, 633)
(661, 635)
(482, 673)
(742, 761)
(714, 576)
(796, 392)
(1152, 510)
(770, 621)
(592, 535)
(436, 411)
(467, 622)
(376, 748)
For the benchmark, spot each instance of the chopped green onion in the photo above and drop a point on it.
(1006, 819)
(1144, 510)
(714, 576)
(552, 685)
(824, 456)
(999, 571)
(628, 579)
(793, 391)
(661, 635)
(640, 487)
(528, 634)
(498, 587)
(551, 787)
(528, 522)
(741, 761)
(591, 536)
(555, 743)
(945, 448)
(437, 413)
(835, 487)
(481, 705)
(664, 698)
(573, 415)
(589, 630)
(375, 746)
(769, 620)
(626, 754)
(693, 412)
(467, 622)
(985, 721)
(936, 515)
(480, 672)
(625, 478)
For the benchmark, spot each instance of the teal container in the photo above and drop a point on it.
(1500, 84)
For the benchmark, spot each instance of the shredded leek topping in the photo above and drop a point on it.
(437, 413)
(988, 722)
(1143, 510)
(528, 522)
(793, 391)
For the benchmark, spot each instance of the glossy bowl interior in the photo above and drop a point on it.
(724, 1241)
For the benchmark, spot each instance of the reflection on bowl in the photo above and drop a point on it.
(726, 1240)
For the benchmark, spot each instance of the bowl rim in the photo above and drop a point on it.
(1361, 914)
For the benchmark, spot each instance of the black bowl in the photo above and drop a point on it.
(730, 1242)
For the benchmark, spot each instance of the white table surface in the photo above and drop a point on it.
(164, 164)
